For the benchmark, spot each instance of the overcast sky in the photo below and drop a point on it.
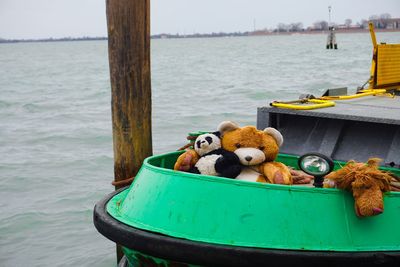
(76, 18)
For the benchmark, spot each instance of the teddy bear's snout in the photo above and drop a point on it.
(248, 158)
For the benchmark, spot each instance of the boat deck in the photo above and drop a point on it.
(380, 109)
(353, 129)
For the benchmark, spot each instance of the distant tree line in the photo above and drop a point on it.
(380, 22)
(200, 35)
(292, 27)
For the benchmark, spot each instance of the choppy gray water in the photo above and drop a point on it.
(55, 122)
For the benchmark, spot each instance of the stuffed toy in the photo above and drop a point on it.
(213, 159)
(366, 182)
(255, 149)
(186, 161)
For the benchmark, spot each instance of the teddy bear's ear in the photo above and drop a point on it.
(227, 126)
(275, 134)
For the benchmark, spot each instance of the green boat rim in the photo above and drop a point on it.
(201, 253)
(147, 164)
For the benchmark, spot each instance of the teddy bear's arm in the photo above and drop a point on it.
(276, 173)
(186, 161)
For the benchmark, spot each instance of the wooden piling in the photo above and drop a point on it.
(331, 41)
(128, 24)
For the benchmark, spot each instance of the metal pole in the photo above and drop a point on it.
(329, 23)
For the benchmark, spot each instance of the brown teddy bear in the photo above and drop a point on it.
(256, 150)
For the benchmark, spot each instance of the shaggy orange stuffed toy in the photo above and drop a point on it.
(366, 182)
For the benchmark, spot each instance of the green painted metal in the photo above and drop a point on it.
(225, 211)
(136, 258)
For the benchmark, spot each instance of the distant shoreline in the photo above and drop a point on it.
(49, 40)
(350, 30)
(206, 35)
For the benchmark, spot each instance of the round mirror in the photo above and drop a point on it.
(315, 164)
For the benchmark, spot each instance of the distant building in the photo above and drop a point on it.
(389, 24)
(344, 26)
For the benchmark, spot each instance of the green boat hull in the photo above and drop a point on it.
(277, 221)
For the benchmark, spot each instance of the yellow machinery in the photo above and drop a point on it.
(384, 79)
(385, 69)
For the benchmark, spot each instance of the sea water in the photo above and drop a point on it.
(56, 158)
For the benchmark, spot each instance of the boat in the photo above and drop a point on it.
(171, 218)
(168, 216)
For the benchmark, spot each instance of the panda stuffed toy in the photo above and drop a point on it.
(213, 159)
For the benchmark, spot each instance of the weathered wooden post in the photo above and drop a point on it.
(128, 23)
